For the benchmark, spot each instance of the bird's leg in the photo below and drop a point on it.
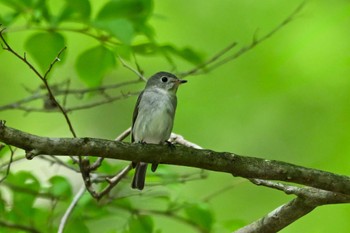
(155, 165)
(170, 145)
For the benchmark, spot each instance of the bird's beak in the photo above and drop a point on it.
(178, 82)
(181, 81)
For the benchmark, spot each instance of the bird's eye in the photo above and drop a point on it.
(164, 79)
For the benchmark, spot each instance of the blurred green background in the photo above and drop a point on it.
(287, 99)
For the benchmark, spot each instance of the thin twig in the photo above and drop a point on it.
(211, 65)
(132, 69)
(138, 67)
(18, 105)
(65, 93)
(55, 160)
(42, 78)
(279, 218)
(98, 89)
(114, 181)
(57, 59)
(210, 61)
(123, 135)
(70, 209)
(8, 165)
(182, 179)
(219, 192)
(14, 160)
(99, 103)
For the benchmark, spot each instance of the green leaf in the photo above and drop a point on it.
(41, 218)
(4, 150)
(76, 225)
(233, 224)
(24, 179)
(76, 10)
(140, 224)
(135, 10)
(186, 53)
(44, 48)
(18, 5)
(123, 203)
(120, 28)
(200, 214)
(146, 48)
(2, 204)
(25, 192)
(37, 9)
(9, 18)
(93, 64)
(60, 187)
(123, 18)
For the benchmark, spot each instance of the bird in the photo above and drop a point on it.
(153, 117)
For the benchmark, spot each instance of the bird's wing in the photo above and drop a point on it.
(134, 116)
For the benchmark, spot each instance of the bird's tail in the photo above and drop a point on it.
(140, 175)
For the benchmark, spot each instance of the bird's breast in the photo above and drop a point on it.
(154, 121)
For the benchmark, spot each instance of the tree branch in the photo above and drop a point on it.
(70, 209)
(316, 196)
(308, 199)
(280, 217)
(243, 166)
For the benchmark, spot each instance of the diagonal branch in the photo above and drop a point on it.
(280, 217)
(70, 209)
(307, 200)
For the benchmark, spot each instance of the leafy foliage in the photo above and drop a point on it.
(79, 10)
(94, 63)
(118, 23)
(201, 215)
(46, 203)
(122, 28)
(44, 47)
(141, 223)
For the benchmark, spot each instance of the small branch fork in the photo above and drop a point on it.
(112, 182)
(43, 78)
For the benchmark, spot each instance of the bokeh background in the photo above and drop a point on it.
(287, 99)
